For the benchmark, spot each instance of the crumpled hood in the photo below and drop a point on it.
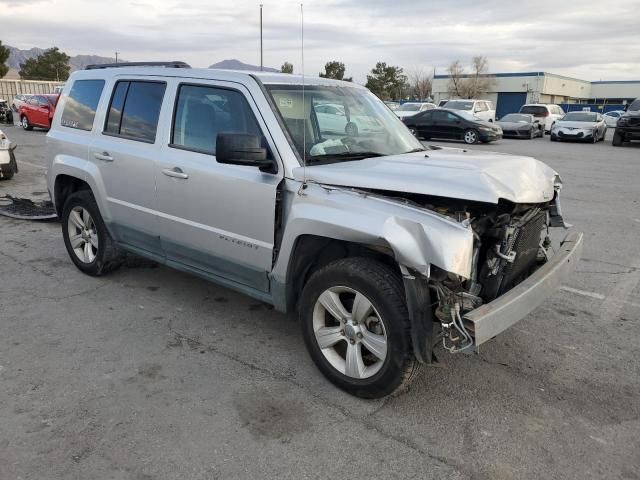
(453, 173)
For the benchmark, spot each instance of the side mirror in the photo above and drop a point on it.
(241, 149)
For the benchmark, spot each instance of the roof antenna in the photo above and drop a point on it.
(304, 105)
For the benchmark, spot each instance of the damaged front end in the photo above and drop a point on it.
(512, 270)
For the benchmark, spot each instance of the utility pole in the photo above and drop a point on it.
(117, 56)
(261, 37)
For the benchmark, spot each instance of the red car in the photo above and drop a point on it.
(38, 111)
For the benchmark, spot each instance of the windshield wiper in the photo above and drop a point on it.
(343, 156)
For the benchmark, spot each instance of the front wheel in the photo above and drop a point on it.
(25, 123)
(85, 236)
(617, 139)
(471, 136)
(356, 327)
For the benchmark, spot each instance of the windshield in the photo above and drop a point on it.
(580, 117)
(517, 118)
(337, 122)
(459, 105)
(409, 107)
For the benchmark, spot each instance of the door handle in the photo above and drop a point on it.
(175, 172)
(104, 156)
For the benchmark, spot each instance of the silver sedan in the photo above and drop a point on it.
(584, 126)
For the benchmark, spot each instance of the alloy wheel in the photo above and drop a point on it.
(83, 235)
(25, 123)
(470, 136)
(350, 332)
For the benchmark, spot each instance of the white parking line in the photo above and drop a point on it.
(599, 296)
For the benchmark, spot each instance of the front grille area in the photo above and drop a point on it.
(526, 242)
(526, 247)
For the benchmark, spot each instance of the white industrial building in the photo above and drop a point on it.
(512, 90)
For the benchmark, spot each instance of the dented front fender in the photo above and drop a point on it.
(418, 237)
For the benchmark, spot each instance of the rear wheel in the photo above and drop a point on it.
(356, 327)
(85, 236)
(470, 136)
(24, 121)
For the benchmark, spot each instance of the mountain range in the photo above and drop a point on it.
(78, 62)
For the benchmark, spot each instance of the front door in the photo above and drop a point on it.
(215, 218)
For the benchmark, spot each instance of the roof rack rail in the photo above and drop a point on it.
(174, 64)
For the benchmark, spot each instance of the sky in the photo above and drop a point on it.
(587, 39)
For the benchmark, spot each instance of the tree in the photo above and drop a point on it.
(335, 70)
(51, 65)
(286, 67)
(470, 85)
(421, 83)
(387, 82)
(4, 56)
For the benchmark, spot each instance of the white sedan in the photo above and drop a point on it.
(611, 118)
(410, 109)
(584, 126)
(332, 119)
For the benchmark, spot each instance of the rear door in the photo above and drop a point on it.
(215, 218)
(125, 153)
(422, 123)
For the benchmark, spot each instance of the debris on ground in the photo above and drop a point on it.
(27, 209)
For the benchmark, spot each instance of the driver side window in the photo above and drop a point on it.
(202, 112)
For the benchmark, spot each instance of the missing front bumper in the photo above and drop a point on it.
(487, 321)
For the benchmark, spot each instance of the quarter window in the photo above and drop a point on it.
(135, 109)
(204, 112)
(80, 106)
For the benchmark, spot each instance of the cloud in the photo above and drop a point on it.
(592, 39)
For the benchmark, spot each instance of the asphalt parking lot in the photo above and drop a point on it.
(153, 374)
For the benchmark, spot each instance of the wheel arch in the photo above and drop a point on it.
(311, 252)
(64, 186)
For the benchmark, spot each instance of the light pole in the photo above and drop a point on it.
(117, 57)
(261, 37)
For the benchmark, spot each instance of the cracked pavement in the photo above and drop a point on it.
(150, 373)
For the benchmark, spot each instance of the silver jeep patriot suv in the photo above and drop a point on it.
(313, 197)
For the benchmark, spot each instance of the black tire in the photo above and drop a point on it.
(24, 121)
(8, 175)
(108, 257)
(595, 136)
(532, 134)
(383, 287)
(554, 138)
(617, 139)
(470, 136)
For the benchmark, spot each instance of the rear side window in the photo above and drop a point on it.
(203, 112)
(135, 109)
(80, 107)
(534, 110)
(635, 105)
